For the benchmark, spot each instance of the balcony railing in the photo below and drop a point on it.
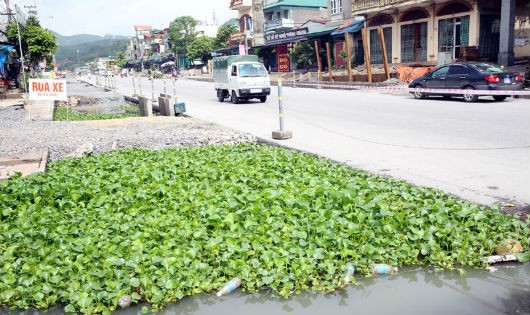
(279, 24)
(370, 4)
(240, 4)
(240, 36)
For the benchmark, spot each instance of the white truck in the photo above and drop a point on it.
(240, 77)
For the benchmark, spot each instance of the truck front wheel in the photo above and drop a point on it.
(221, 95)
(234, 98)
(263, 99)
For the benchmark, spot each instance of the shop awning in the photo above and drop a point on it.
(349, 27)
(326, 30)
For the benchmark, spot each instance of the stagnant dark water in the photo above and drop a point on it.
(411, 291)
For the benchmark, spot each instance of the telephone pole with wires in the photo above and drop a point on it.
(7, 11)
(33, 9)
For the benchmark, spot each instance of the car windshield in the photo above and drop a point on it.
(252, 70)
(488, 68)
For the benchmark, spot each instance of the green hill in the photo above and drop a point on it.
(74, 51)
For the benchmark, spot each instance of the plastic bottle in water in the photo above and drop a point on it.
(230, 287)
(383, 269)
(350, 270)
(125, 301)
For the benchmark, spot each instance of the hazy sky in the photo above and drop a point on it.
(117, 17)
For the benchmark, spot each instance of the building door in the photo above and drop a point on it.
(339, 47)
(359, 53)
(453, 33)
(489, 37)
(414, 42)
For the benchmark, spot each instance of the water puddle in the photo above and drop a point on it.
(411, 291)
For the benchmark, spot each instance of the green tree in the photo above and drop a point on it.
(201, 48)
(37, 42)
(182, 33)
(303, 55)
(121, 60)
(222, 39)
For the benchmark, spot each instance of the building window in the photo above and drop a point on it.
(380, 19)
(454, 8)
(414, 14)
(285, 14)
(376, 51)
(336, 6)
(489, 37)
(452, 34)
(245, 23)
(414, 42)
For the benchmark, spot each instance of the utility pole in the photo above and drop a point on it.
(8, 12)
(32, 10)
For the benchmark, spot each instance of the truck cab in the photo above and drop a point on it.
(241, 78)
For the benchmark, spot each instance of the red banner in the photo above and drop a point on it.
(284, 64)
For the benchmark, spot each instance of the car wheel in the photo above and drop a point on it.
(499, 98)
(263, 99)
(417, 94)
(470, 97)
(234, 98)
(220, 96)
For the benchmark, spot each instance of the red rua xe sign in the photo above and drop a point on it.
(47, 90)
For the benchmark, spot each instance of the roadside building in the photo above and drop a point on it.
(137, 47)
(250, 23)
(439, 31)
(283, 27)
(205, 28)
(155, 41)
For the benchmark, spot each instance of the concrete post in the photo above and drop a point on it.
(146, 106)
(162, 106)
(134, 88)
(171, 100)
(506, 55)
(166, 105)
(281, 134)
(153, 89)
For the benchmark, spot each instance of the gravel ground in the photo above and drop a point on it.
(18, 135)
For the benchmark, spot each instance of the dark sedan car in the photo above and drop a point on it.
(468, 76)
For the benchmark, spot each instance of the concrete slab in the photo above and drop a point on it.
(282, 134)
(26, 163)
(4, 103)
(40, 110)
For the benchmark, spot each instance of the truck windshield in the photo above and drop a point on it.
(252, 70)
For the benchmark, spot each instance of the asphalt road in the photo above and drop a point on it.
(478, 151)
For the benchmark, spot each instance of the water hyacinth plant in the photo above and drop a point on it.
(66, 114)
(161, 225)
